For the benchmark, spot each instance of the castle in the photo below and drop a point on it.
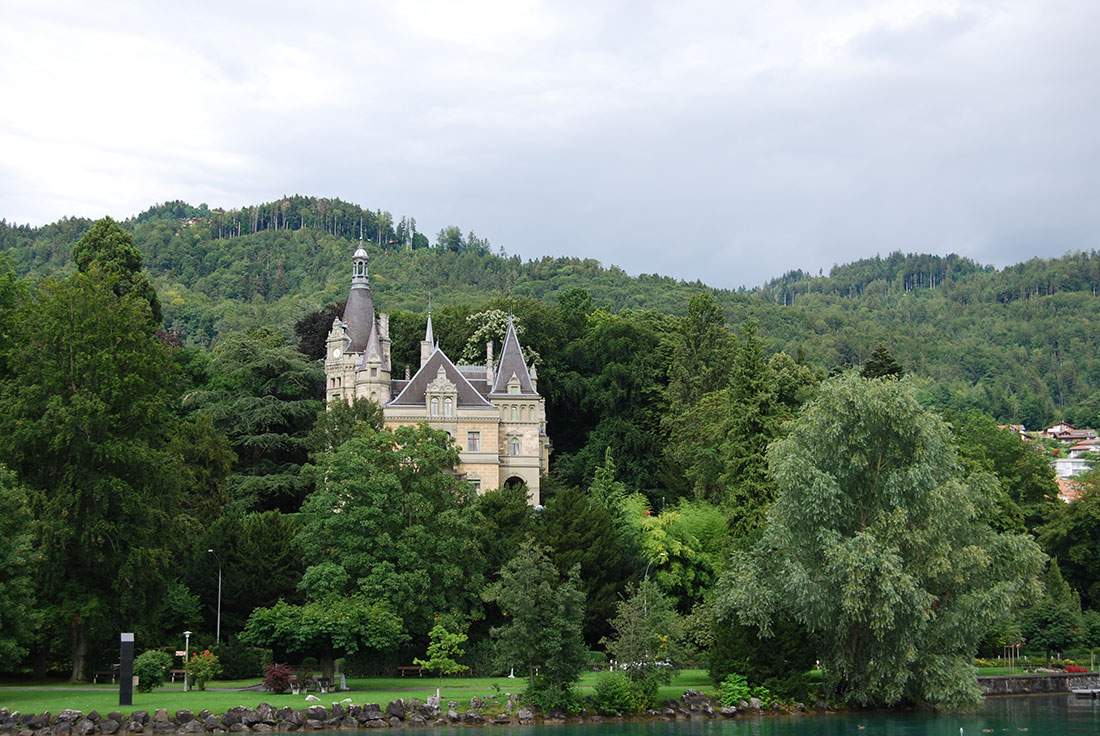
(494, 412)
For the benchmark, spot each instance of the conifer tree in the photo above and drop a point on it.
(111, 249)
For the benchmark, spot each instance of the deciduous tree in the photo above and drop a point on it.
(875, 543)
(389, 520)
(331, 627)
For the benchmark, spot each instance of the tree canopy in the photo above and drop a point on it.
(876, 544)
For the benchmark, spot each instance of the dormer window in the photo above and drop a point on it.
(441, 393)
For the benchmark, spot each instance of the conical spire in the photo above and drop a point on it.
(427, 345)
(512, 364)
(374, 347)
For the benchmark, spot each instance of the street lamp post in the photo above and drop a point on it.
(186, 656)
(645, 579)
(218, 632)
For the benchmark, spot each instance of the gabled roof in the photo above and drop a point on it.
(413, 392)
(512, 363)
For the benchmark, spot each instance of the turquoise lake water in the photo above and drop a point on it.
(1048, 715)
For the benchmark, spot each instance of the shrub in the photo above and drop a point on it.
(1076, 668)
(152, 669)
(736, 688)
(615, 693)
(202, 668)
(547, 695)
(799, 686)
(277, 678)
(240, 661)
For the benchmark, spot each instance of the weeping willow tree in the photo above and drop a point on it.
(876, 543)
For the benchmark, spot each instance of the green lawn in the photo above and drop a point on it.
(54, 696)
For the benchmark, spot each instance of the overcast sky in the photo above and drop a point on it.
(726, 141)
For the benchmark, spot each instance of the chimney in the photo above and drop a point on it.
(489, 362)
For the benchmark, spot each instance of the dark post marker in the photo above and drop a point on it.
(126, 669)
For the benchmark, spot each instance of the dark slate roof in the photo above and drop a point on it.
(512, 362)
(412, 394)
(374, 346)
(359, 317)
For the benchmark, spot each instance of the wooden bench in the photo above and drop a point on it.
(173, 674)
(402, 669)
(96, 675)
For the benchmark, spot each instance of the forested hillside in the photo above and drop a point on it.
(1016, 343)
(161, 427)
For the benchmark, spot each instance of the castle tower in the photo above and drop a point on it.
(357, 357)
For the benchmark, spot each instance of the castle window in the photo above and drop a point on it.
(448, 407)
(473, 441)
(513, 446)
(374, 373)
(515, 413)
(477, 486)
(513, 389)
(435, 407)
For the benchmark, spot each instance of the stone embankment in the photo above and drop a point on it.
(1038, 682)
(265, 718)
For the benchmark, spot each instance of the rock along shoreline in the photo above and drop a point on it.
(347, 716)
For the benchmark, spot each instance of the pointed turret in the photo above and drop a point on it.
(359, 312)
(373, 351)
(428, 343)
(512, 365)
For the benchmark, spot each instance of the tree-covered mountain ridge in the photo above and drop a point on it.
(1016, 342)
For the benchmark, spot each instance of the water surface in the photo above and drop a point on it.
(1046, 715)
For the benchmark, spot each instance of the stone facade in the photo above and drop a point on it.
(493, 411)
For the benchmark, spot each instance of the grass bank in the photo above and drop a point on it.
(54, 697)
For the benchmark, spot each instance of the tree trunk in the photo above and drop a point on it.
(80, 648)
(328, 666)
(38, 664)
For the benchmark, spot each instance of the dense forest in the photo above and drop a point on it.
(1015, 343)
(161, 428)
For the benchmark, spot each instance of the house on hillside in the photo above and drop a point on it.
(1068, 491)
(493, 411)
(1064, 432)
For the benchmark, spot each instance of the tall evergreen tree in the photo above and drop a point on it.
(702, 358)
(261, 396)
(542, 634)
(85, 422)
(111, 249)
(580, 532)
(881, 364)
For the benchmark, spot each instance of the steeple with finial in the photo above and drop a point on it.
(359, 312)
(428, 343)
